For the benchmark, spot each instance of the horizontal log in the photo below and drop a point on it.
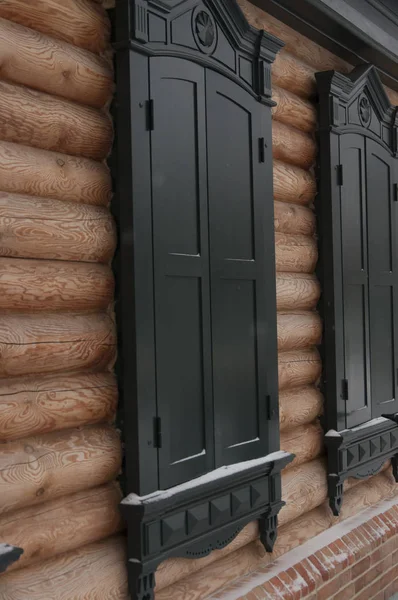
(392, 95)
(31, 344)
(293, 110)
(290, 73)
(79, 22)
(295, 253)
(293, 218)
(305, 441)
(37, 285)
(293, 184)
(298, 368)
(36, 405)
(298, 330)
(293, 146)
(25, 170)
(53, 66)
(297, 291)
(63, 524)
(93, 572)
(35, 119)
(50, 229)
(198, 584)
(42, 468)
(299, 406)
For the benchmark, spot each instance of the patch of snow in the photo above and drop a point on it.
(288, 560)
(217, 474)
(177, 462)
(333, 433)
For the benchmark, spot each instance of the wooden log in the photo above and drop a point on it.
(292, 146)
(53, 66)
(93, 572)
(299, 406)
(36, 405)
(32, 344)
(305, 441)
(63, 524)
(298, 330)
(51, 229)
(296, 43)
(35, 119)
(37, 285)
(298, 368)
(82, 23)
(41, 468)
(297, 291)
(293, 184)
(293, 110)
(392, 95)
(293, 75)
(295, 253)
(47, 174)
(293, 218)
(303, 488)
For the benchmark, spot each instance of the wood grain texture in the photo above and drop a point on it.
(44, 467)
(293, 75)
(300, 46)
(94, 572)
(303, 488)
(44, 403)
(35, 119)
(299, 406)
(53, 66)
(39, 286)
(305, 441)
(290, 145)
(298, 368)
(51, 229)
(296, 291)
(46, 174)
(31, 344)
(295, 253)
(82, 23)
(63, 524)
(293, 184)
(298, 330)
(293, 218)
(292, 110)
(392, 95)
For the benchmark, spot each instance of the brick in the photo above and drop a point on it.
(343, 553)
(289, 584)
(388, 528)
(391, 589)
(325, 574)
(360, 567)
(373, 573)
(334, 586)
(281, 588)
(268, 591)
(346, 593)
(388, 522)
(308, 574)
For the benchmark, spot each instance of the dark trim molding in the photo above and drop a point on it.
(347, 30)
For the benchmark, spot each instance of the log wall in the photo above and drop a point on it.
(60, 453)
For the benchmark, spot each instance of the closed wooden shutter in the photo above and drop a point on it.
(383, 272)
(355, 280)
(181, 271)
(242, 272)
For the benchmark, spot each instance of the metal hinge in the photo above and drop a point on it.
(270, 411)
(395, 192)
(261, 150)
(344, 389)
(339, 174)
(157, 432)
(149, 115)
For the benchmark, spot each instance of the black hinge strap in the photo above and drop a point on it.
(157, 432)
(344, 389)
(339, 174)
(150, 125)
(395, 192)
(261, 150)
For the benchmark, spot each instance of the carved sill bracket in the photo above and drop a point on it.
(359, 452)
(8, 555)
(206, 514)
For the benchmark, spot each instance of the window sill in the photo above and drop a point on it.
(359, 452)
(206, 514)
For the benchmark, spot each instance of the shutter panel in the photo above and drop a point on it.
(383, 271)
(242, 272)
(355, 279)
(181, 270)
